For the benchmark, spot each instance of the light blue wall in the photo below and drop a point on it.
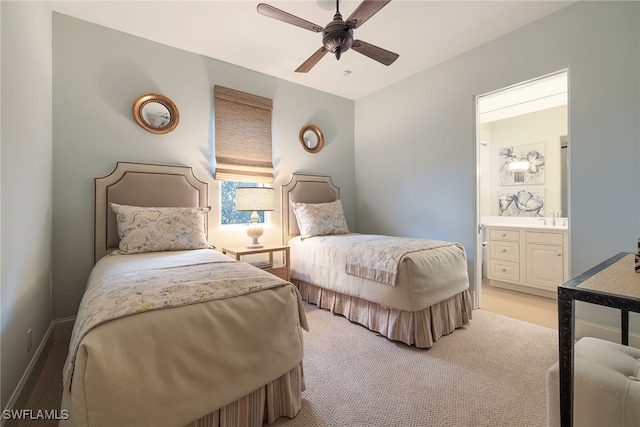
(413, 153)
(415, 140)
(25, 180)
(97, 75)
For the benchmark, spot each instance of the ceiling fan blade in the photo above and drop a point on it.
(281, 15)
(379, 54)
(313, 60)
(364, 11)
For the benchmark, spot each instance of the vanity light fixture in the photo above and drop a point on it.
(254, 199)
(518, 168)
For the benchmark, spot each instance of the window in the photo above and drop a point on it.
(243, 146)
(228, 214)
(243, 149)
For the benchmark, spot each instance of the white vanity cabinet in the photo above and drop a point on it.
(527, 259)
(504, 255)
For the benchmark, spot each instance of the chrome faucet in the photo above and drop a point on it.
(553, 216)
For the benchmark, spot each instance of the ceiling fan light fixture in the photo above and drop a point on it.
(337, 37)
(337, 46)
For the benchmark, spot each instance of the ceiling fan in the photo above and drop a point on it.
(337, 36)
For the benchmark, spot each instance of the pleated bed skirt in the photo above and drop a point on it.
(280, 398)
(419, 328)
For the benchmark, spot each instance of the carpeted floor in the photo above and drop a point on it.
(489, 373)
(47, 392)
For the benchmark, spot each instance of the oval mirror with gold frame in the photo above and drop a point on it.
(156, 113)
(311, 138)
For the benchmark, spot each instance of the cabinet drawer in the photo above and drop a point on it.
(504, 270)
(507, 251)
(513, 235)
(544, 238)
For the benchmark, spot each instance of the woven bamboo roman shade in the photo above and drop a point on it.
(243, 136)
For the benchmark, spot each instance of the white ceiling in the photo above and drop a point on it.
(422, 32)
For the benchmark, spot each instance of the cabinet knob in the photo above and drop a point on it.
(504, 250)
(504, 269)
(504, 234)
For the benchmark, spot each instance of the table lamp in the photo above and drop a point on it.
(254, 199)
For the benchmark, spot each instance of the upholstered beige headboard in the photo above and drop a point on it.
(140, 184)
(304, 189)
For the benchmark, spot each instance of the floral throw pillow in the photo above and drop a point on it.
(143, 229)
(320, 219)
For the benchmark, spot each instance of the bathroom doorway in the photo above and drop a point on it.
(526, 123)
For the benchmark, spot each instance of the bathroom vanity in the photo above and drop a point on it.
(530, 258)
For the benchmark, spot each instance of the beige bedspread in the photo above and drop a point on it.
(424, 277)
(377, 257)
(167, 367)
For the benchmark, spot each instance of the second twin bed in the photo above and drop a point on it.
(409, 290)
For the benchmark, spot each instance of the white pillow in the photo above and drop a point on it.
(320, 219)
(143, 229)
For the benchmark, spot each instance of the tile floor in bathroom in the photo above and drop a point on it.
(518, 305)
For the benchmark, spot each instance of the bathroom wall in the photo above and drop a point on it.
(540, 130)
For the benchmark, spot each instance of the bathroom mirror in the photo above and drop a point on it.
(156, 113)
(311, 138)
(525, 124)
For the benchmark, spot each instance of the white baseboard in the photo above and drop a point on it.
(584, 328)
(60, 328)
(25, 377)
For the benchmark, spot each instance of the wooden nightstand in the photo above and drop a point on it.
(278, 269)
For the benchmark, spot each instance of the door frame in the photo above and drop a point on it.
(479, 244)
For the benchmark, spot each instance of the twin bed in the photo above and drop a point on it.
(178, 337)
(415, 295)
(172, 333)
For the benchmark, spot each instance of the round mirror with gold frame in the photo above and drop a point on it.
(311, 138)
(156, 113)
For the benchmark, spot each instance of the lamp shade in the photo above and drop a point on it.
(254, 199)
